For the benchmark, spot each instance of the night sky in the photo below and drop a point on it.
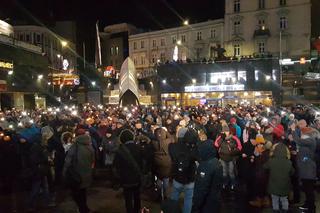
(144, 14)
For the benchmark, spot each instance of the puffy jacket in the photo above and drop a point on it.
(207, 190)
(228, 148)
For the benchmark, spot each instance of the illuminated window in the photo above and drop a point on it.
(112, 51)
(256, 75)
(226, 78)
(236, 6)
(242, 76)
(117, 50)
(236, 50)
(274, 75)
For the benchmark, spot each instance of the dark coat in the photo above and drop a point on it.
(128, 167)
(281, 170)
(85, 159)
(39, 160)
(306, 157)
(208, 183)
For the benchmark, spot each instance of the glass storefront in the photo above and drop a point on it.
(217, 98)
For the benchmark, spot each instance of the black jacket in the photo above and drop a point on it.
(208, 183)
(128, 165)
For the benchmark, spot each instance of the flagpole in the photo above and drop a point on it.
(84, 54)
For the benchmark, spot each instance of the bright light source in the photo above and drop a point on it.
(24, 113)
(40, 77)
(31, 121)
(268, 77)
(93, 83)
(194, 81)
(179, 42)
(125, 109)
(232, 112)
(268, 109)
(57, 110)
(20, 124)
(64, 43)
(129, 115)
(2, 119)
(58, 55)
(10, 126)
(245, 94)
(164, 81)
(186, 22)
(164, 107)
(74, 112)
(10, 72)
(49, 83)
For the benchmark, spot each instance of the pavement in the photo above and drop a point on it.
(103, 199)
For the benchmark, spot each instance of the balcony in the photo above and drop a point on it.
(262, 32)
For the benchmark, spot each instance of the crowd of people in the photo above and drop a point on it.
(272, 154)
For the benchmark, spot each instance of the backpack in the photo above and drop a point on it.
(183, 167)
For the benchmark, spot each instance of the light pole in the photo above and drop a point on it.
(280, 63)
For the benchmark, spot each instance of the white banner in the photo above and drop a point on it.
(215, 88)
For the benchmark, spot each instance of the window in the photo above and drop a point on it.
(236, 27)
(142, 44)
(162, 57)
(38, 38)
(261, 22)
(223, 77)
(154, 58)
(143, 60)
(283, 2)
(261, 46)
(162, 42)
(283, 23)
(112, 51)
(135, 61)
(213, 33)
(134, 45)
(174, 39)
(261, 4)
(27, 38)
(21, 37)
(154, 43)
(242, 76)
(199, 36)
(236, 6)
(236, 50)
(117, 50)
(183, 38)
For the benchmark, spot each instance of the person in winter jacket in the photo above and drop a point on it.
(306, 164)
(234, 125)
(250, 132)
(109, 147)
(280, 170)
(81, 154)
(183, 157)
(229, 146)
(208, 183)
(277, 130)
(162, 158)
(128, 164)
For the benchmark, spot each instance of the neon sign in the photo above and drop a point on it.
(215, 88)
(6, 65)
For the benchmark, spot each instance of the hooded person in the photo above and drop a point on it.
(81, 158)
(280, 170)
(128, 164)
(306, 163)
(208, 183)
(108, 147)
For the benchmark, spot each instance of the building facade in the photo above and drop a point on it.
(264, 27)
(59, 50)
(192, 42)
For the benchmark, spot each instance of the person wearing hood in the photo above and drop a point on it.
(81, 157)
(128, 164)
(280, 171)
(162, 158)
(306, 163)
(208, 183)
(108, 147)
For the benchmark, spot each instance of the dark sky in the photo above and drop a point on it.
(145, 14)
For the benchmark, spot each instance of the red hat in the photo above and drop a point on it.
(233, 120)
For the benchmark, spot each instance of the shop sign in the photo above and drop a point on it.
(312, 76)
(6, 65)
(215, 88)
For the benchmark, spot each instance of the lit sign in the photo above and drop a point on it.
(214, 88)
(6, 65)
(312, 76)
(65, 64)
(65, 79)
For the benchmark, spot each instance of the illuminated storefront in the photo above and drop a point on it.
(234, 82)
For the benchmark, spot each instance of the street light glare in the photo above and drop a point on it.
(93, 83)
(58, 55)
(186, 22)
(64, 43)
(10, 72)
(179, 42)
(40, 77)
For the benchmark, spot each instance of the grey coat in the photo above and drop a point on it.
(85, 160)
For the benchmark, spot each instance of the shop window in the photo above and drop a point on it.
(236, 50)
(226, 78)
(236, 6)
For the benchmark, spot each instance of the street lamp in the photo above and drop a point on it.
(58, 55)
(93, 83)
(40, 77)
(268, 77)
(64, 43)
(194, 81)
(186, 22)
(179, 42)
(164, 81)
(10, 72)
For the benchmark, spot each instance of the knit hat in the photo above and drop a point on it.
(126, 135)
(260, 139)
(225, 128)
(233, 120)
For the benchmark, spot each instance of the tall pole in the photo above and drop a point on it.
(280, 63)
(84, 55)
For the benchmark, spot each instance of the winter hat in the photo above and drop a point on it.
(233, 120)
(181, 132)
(260, 139)
(225, 128)
(126, 135)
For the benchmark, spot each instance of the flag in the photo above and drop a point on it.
(98, 51)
